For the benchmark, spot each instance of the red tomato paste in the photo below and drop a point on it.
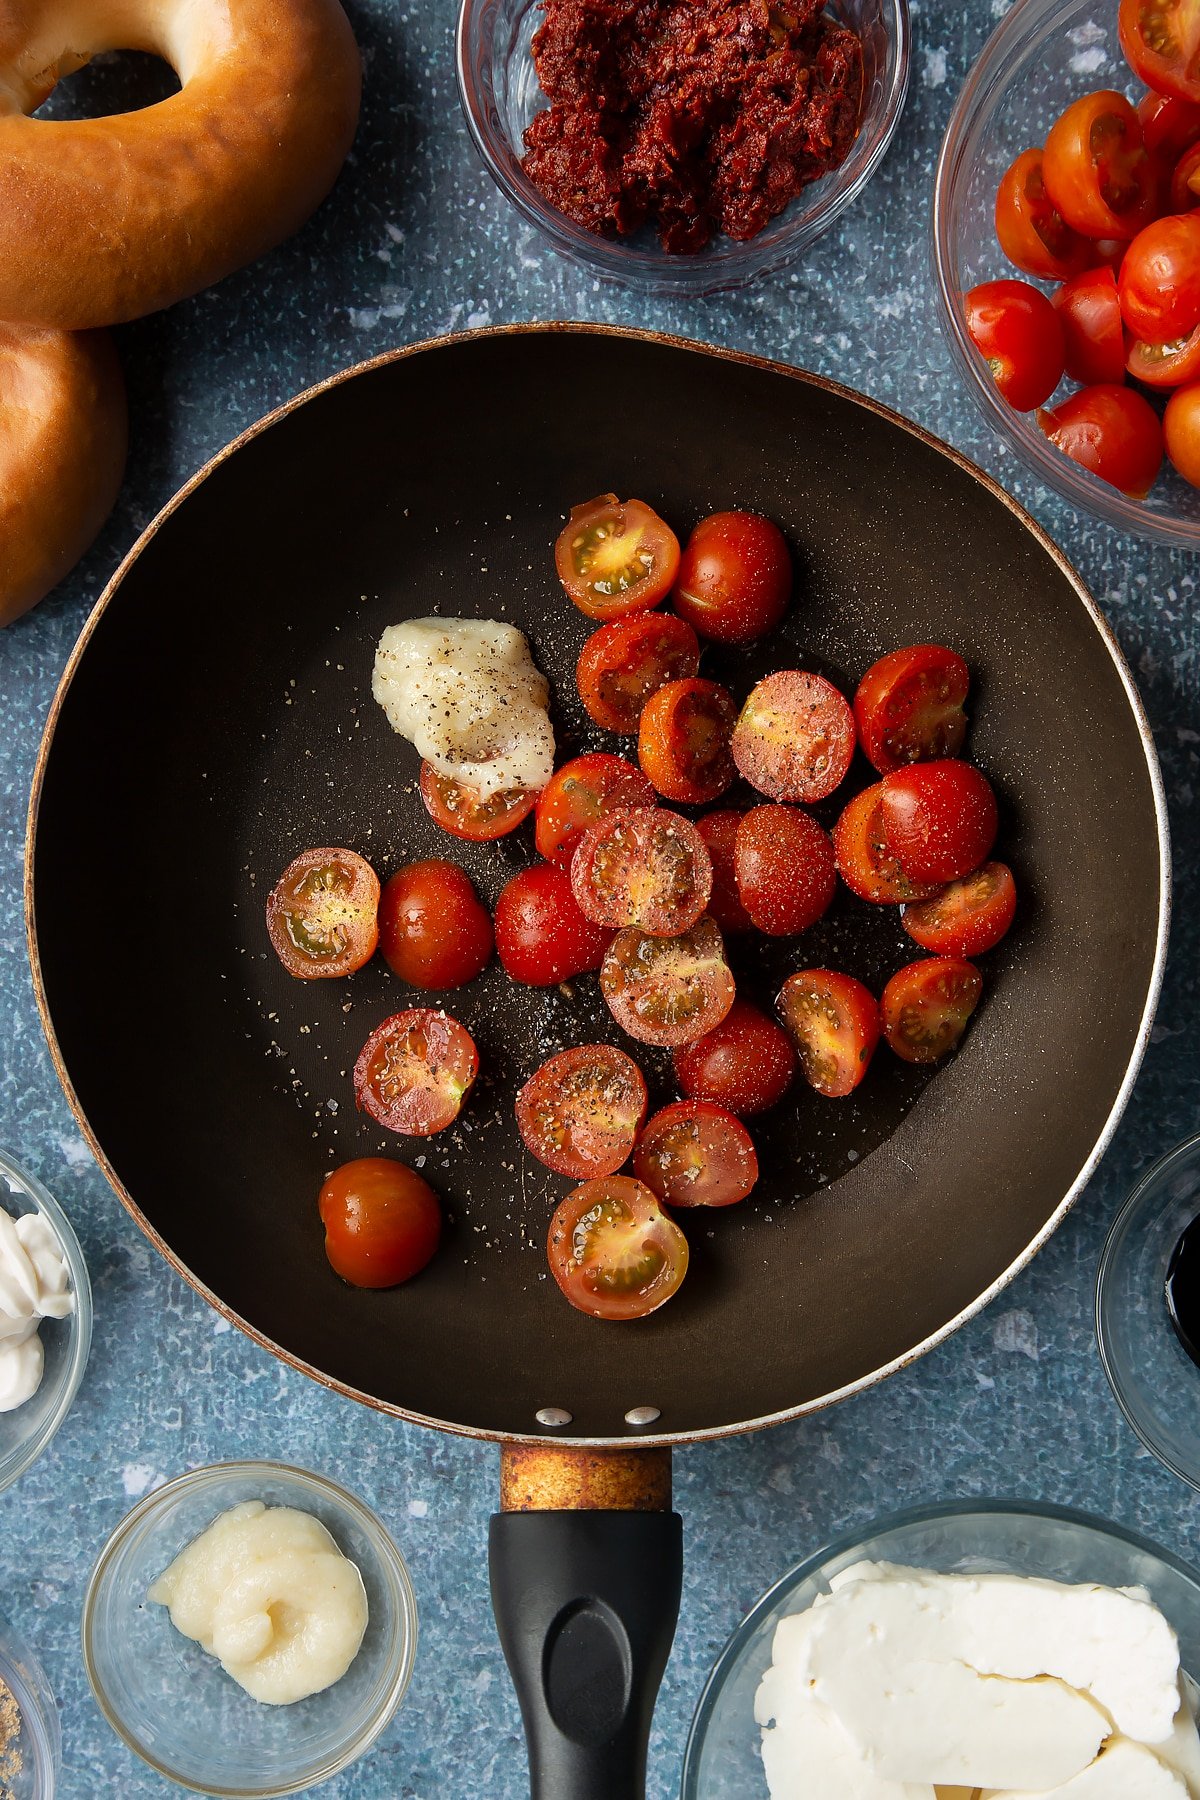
(700, 116)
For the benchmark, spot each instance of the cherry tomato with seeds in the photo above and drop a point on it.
(786, 871)
(667, 991)
(466, 813)
(1112, 431)
(745, 1065)
(322, 914)
(625, 662)
(1181, 430)
(864, 862)
(643, 866)
(1159, 285)
(1169, 125)
(1165, 365)
(794, 738)
(909, 706)
(735, 577)
(683, 741)
(1161, 41)
(719, 831)
(541, 936)
(1093, 334)
(1032, 232)
(616, 558)
(834, 1023)
(1096, 169)
(415, 1070)
(1020, 337)
(382, 1222)
(695, 1154)
(434, 930)
(582, 1110)
(613, 1251)
(580, 793)
(968, 917)
(940, 819)
(926, 1005)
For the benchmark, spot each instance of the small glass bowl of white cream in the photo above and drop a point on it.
(39, 1253)
(171, 1700)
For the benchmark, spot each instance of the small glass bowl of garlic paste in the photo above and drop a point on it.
(175, 1705)
(27, 1429)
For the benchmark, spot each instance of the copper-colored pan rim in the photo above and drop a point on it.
(842, 392)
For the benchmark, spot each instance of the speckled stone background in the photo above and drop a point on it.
(414, 242)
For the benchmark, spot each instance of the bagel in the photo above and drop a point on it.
(62, 455)
(103, 220)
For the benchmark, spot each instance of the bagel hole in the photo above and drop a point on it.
(116, 81)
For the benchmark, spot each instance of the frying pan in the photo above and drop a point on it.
(216, 718)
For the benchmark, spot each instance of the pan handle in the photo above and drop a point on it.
(587, 1567)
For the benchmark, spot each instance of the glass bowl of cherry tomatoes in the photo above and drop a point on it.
(1067, 253)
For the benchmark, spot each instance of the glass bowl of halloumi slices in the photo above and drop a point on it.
(988, 1651)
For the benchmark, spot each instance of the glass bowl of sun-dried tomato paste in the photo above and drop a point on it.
(682, 145)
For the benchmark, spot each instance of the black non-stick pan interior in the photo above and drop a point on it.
(219, 720)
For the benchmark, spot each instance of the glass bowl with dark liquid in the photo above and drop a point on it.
(1148, 1309)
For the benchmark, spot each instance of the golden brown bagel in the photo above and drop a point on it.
(62, 455)
(102, 220)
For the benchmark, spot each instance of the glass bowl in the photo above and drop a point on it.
(1042, 55)
(174, 1704)
(500, 94)
(25, 1433)
(1156, 1383)
(722, 1761)
(34, 1758)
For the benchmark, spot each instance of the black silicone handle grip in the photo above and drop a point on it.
(586, 1605)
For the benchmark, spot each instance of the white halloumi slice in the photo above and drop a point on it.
(1123, 1771)
(807, 1754)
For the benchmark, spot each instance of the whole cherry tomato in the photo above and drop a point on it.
(1181, 429)
(541, 935)
(1093, 335)
(786, 872)
(434, 931)
(382, 1221)
(1096, 168)
(1032, 232)
(1161, 41)
(719, 831)
(1113, 432)
(746, 1065)
(1020, 337)
(1159, 285)
(735, 577)
(939, 819)
(864, 862)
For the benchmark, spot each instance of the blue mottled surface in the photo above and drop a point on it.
(416, 242)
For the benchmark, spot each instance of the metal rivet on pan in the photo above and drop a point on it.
(643, 1415)
(553, 1415)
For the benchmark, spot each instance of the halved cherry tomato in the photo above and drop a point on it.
(865, 863)
(786, 872)
(1161, 41)
(382, 1221)
(1032, 232)
(683, 741)
(541, 935)
(1181, 430)
(1185, 181)
(735, 577)
(968, 917)
(926, 1005)
(746, 1065)
(613, 1251)
(1165, 365)
(1169, 125)
(909, 706)
(1112, 431)
(939, 819)
(834, 1023)
(582, 791)
(719, 831)
(415, 1070)
(582, 1110)
(794, 738)
(643, 866)
(622, 664)
(667, 991)
(462, 810)
(1093, 336)
(434, 930)
(1018, 333)
(1096, 169)
(1159, 286)
(322, 914)
(695, 1154)
(615, 559)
